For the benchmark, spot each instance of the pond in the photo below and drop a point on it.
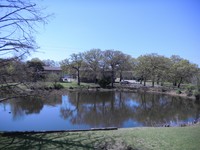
(85, 110)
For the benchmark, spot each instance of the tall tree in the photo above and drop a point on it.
(126, 63)
(93, 59)
(173, 77)
(162, 71)
(113, 58)
(143, 68)
(182, 71)
(153, 67)
(75, 62)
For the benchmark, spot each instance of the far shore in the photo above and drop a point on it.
(135, 88)
(131, 87)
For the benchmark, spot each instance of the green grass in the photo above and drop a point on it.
(174, 138)
(179, 138)
(74, 85)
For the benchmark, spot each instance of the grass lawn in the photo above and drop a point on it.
(173, 138)
(74, 85)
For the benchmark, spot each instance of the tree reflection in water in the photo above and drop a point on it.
(25, 106)
(105, 109)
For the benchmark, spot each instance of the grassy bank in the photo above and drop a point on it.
(74, 85)
(177, 138)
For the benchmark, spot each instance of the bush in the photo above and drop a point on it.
(164, 90)
(197, 94)
(189, 93)
(58, 86)
(190, 90)
(178, 92)
(104, 82)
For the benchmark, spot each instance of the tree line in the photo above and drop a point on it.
(156, 68)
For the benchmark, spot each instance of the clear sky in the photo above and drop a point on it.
(135, 27)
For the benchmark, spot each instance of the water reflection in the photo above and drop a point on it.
(97, 109)
(113, 109)
(22, 107)
(73, 110)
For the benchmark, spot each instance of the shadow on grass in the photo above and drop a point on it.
(62, 140)
(47, 141)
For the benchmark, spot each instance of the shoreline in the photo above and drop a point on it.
(148, 89)
(121, 88)
(95, 129)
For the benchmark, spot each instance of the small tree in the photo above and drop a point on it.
(53, 77)
(36, 69)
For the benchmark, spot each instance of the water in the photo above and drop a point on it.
(85, 110)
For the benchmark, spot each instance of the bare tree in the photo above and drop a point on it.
(18, 20)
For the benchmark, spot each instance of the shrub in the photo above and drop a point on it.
(189, 90)
(164, 90)
(197, 94)
(189, 93)
(190, 87)
(71, 88)
(58, 86)
(178, 92)
(104, 82)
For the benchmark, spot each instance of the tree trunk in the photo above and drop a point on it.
(179, 84)
(174, 83)
(120, 78)
(112, 80)
(141, 81)
(144, 81)
(78, 77)
(95, 76)
(158, 81)
(153, 83)
(95, 79)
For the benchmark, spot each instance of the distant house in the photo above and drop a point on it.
(68, 78)
(49, 70)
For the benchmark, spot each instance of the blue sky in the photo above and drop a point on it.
(135, 27)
